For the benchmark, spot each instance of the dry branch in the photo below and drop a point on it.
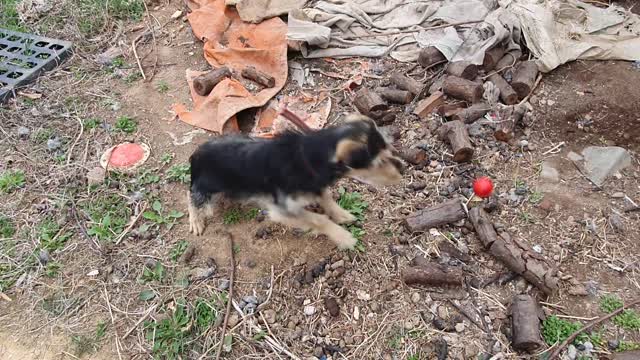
(463, 89)
(431, 274)
(440, 214)
(525, 323)
(455, 133)
(204, 83)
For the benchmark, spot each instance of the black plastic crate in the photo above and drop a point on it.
(23, 57)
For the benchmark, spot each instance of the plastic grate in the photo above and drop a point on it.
(23, 57)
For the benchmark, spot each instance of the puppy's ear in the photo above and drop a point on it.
(352, 153)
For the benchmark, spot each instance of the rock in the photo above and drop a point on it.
(224, 284)
(107, 57)
(537, 248)
(337, 264)
(233, 320)
(332, 306)
(459, 327)
(616, 222)
(602, 162)
(250, 299)
(318, 351)
(96, 176)
(613, 344)
(250, 263)
(270, 315)
(43, 257)
(549, 173)
(356, 313)
(176, 14)
(23, 133)
(572, 352)
(188, 255)
(471, 351)
(475, 129)
(574, 157)
(54, 144)
(375, 307)
(250, 308)
(415, 298)
(309, 310)
(199, 273)
(362, 295)
(618, 195)
(523, 143)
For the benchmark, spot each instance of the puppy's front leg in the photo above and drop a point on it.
(338, 214)
(197, 215)
(318, 223)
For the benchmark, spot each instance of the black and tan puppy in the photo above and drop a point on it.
(291, 171)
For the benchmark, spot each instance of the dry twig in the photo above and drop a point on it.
(229, 298)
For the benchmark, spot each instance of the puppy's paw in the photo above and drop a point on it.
(344, 240)
(196, 225)
(343, 217)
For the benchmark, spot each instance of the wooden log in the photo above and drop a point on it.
(492, 57)
(525, 323)
(430, 56)
(404, 82)
(524, 78)
(507, 94)
(414, 156)
(463, 69)
(508, 118)
(517, 257)
(431, 274)
(472, 113)
(429, 105)
(508, 62)
(449, 110)
(463, 89)
(204, 83)
(397, 96)
(456, 134)
(258, 76)
(368, 101)
(437, 215)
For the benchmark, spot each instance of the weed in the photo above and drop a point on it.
(9, 17)
(628, 320)
(126, 125)
(133, 77)
(413, 357)
(395, 341)
(556, 330)
(236, 215)
(157, 273)
(51, 236)
(236, 249)
(536, 197)
(628, 346)
(260, 335)
(353, 203)
(92, 123)
(156, 215)
(527, 217)
(162, 87)
(147, 177)
(204, 314)
(118, 62)
(90, 24)
(42, 135)
(387, 233)
(7, 229)
(52, 269)
(610, 303)
(166, 159)
(178, 250)
(12, 180)
(109, 216)
(89, 344)
(170, 335)
(179, 173)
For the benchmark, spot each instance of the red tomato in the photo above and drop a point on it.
(483, 187)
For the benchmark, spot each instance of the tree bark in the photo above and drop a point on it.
(204, 83)
(462, 69)
(431, 274)
(258, 76)
(525, 323)
(430, 56)
(524, 78)
(507, 94)
(463, 89)
(368, 101)
(406, 83)
(472, 113)
(456, 134)
(440, 214)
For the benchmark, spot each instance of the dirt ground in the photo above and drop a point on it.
(90, 297)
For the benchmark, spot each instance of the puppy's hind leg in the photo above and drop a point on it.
(338, 214)
(199, 209)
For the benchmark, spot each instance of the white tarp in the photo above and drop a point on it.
(555, 31)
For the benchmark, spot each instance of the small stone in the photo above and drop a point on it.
(150, 263)
(250, 263)
(523, 143)
(224, 284)
(23, 133)
(54, 144)
(356, 313)
(318, 352)
(549, 173)
(588, 347)
(459, 327)
(332, 306)
(242, 304)
(415, 298)
(442, 312)
(233, 320)
(471, 351)
(618, 195)
(250, 299)
(270, 315)
(250, 308)
(362, 295)
(188, 255)
(613, 344)
(572, 352)
(546, 204)
(537, 248)
(375, 307)
(337, 264)
(176, 14)
(551, 102)
(44, 257)
(616, 222)
(309, 310)
(107, 57)
(198, 274)
(574, 156)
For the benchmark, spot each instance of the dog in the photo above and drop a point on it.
(291, 171)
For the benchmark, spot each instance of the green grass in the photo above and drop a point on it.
(158, 216)
(109, 215)
(157, 274)
(84, 344)
(628, 346)
(126, 125)
(236, 215)
(536, 197)
(9, 18)
(12, 180)
(556, 330)
(7, 229)
(178, 249)
(92, 20)
(179, 173)
(133, 77)
(92, 123)
(42, 135)
(52, 269)
(162, 87)
(166, 159)
(147, 177)
(353, 203)
(51, 236)
(629, 319)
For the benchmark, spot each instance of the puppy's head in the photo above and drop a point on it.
(366, 153)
